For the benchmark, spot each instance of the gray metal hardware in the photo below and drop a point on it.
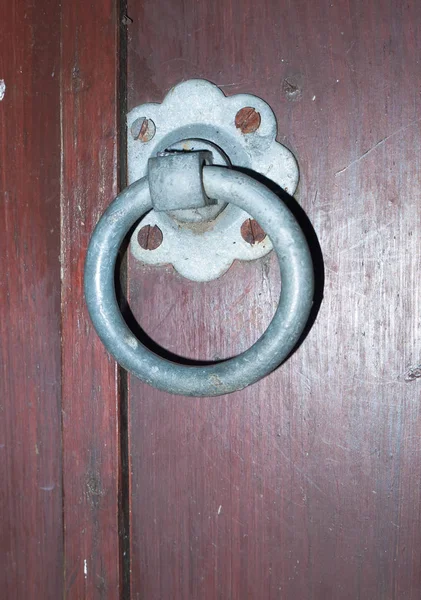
(175, 181)
(238, 130)
(287, 325)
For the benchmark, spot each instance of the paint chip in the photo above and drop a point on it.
(85, 568)
(2, 89)
(47, 488)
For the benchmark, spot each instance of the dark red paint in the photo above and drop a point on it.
(90, 384)
(307, 484)
(31, 543)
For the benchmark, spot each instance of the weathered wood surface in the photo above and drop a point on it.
(91, 452)
(307, 484)
(31, 530)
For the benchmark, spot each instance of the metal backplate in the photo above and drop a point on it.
(196, 115)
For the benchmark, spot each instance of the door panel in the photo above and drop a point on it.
(306, 484)
(90, 386)
(31, 529)
(59, 408)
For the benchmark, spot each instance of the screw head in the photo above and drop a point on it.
(251, 232)
(149, 237)
(143, 129)
(247, 120)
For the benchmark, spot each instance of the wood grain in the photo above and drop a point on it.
(91, 459)
(31, 528)
(307, 484)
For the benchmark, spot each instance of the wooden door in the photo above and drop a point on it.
(305, 485)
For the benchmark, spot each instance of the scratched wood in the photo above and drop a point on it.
(91, 457)
(307, 484)
(31, 528)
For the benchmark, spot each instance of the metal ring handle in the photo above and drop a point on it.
(232, 374)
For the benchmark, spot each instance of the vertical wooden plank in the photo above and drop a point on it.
(31, 529)
(89, 63)
(304, 486)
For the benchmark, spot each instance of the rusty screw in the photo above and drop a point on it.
(143, 129)
(247, 120)
(150, 238)
(251, 232)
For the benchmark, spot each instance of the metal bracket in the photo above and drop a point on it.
(202, 242)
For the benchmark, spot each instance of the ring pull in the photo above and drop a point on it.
(182, 181)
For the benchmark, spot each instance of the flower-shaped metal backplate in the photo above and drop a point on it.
(240, 131)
